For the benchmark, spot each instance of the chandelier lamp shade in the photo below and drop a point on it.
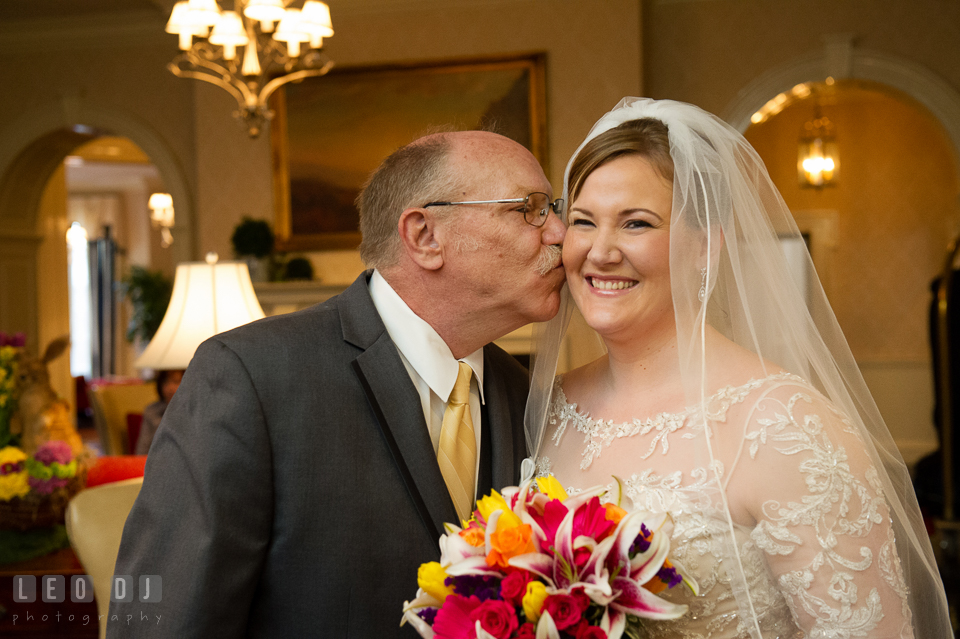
(208, 298)
(818, 159)
(280, 45)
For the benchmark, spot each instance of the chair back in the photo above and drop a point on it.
(111, 404)
(95, 519)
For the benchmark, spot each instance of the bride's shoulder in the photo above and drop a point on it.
(579, 381)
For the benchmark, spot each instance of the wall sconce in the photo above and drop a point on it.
(161, 214)
(818, 160)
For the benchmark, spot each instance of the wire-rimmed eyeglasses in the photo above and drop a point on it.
(536, 206)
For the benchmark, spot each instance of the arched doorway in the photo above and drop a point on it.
(889, 220)
(32, 151)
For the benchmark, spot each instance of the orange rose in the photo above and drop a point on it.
(509, 542)
(474, 536)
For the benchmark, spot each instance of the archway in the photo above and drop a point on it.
(889, 221)
(841, 60)
(31, 150)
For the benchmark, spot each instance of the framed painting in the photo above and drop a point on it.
(329, 133)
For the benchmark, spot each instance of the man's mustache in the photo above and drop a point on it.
(549, 259)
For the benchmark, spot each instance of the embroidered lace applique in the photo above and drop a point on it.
(832, 591)
(599, 433)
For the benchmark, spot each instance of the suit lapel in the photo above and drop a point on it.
(396, 405)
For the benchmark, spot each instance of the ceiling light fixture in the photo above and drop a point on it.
(280, 45)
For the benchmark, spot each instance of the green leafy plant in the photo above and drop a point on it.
(149, 293)
(252, 237)
(298, 268)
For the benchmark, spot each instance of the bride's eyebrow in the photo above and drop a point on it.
(629, 212)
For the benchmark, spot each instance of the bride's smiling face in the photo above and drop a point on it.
(617, 249)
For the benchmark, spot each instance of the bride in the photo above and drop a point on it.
(728, 396)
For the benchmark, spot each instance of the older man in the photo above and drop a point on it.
(306, 466)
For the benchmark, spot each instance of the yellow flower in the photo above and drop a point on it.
(533, 600)
(13, 485)
(552, 488)
(430, 577)
(492, 502)
(11, 455)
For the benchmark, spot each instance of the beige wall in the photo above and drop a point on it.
(706, 52)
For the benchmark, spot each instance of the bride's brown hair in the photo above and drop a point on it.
(646, 137)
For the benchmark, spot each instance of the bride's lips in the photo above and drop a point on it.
(610, 285)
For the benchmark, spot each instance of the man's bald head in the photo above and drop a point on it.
(440, 166)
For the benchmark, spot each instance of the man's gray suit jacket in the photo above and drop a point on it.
(292, 489)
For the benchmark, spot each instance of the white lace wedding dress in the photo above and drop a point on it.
(817, 552)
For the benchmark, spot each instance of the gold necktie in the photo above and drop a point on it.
(458, 446)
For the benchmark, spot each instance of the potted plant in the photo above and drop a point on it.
(149, 293)
(253, 241)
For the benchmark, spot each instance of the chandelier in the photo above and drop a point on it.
(280, 45)
(818, 160)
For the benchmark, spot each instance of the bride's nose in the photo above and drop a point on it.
(604, 249)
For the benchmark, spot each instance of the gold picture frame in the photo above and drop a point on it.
(329, 133)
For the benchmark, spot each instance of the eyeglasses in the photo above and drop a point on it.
(536, 206)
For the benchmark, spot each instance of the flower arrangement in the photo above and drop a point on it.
(9, 345)
(51, 467)
(541, 564)
(13, 473)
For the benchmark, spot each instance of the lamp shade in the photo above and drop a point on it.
(207, 299)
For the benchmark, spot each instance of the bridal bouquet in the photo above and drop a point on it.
(537, 564)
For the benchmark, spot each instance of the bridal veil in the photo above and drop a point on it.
(725, 203)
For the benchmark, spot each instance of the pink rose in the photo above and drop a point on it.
(496, 617)
(514, 586)
(566, 610)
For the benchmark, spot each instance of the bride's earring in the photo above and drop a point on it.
(703, 284)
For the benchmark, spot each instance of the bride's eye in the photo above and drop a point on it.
(581, 222)
(637, 224)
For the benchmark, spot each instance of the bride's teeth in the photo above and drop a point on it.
(609, 285)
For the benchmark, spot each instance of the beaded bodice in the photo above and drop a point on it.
(818, 560)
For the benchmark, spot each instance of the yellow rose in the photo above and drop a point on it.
(533, 600)
(492, 502)
(430, 577)
(550, 487)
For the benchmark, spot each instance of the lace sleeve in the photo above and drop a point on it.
(822, 520)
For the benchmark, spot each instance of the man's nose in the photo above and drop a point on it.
(553, 230)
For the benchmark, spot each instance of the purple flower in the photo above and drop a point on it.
(669, 576)
(54, 451)
(17, 340)
(642, 542)
(47, 486)
(427, 614)
(483, 587)
(10, 468)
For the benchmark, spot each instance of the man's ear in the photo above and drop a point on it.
(419, 238)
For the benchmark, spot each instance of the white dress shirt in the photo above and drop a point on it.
(428, 360)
